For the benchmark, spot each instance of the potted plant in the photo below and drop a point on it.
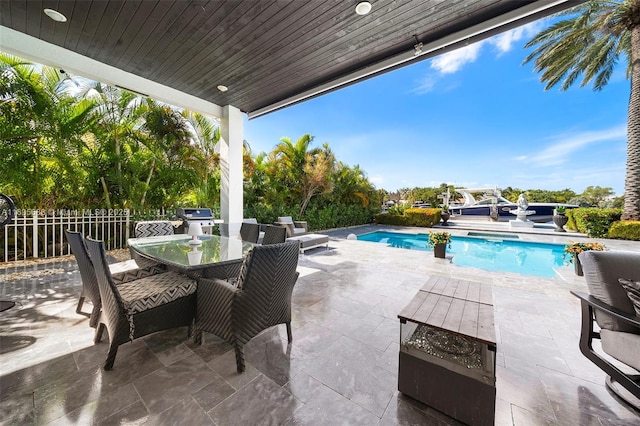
(559, 218)
(439, 240)
(444, 214)
(572, 250)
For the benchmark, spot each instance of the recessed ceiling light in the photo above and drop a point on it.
(222, 88)
(363, 8)
(55, 15)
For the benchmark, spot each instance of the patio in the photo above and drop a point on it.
(340, 369)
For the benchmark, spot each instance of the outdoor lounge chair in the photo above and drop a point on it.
(613, 278)
(274, 235)
(260, 299)
(139, 307)
(293, 227)
(121, 272)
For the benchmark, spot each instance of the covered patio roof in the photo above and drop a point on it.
(223, 58)
(269, 54)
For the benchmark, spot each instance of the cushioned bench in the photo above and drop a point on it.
(310, 241)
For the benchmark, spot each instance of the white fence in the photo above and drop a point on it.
(40, 233)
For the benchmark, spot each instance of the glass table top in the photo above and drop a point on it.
(176, 250)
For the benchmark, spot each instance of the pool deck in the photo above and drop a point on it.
(340, 369)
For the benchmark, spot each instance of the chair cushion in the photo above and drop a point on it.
(146, 293)
(602, 269)
(117, 268)
(153, 228)
(624, 347)
(285, 219)
(633, 291)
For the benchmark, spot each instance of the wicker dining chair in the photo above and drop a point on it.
(153, 228)
(121, 272)
(142, 306)
(261, 298)
(250, 232)
(274, 235)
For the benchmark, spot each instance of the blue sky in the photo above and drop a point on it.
(473, 117)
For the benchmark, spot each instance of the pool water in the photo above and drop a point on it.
(490, 254)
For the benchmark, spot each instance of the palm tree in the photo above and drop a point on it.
(40, 134)
(589, 44)
(301, 170)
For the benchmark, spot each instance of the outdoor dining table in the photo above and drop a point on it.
(215, 257)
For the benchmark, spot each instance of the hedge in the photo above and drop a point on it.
(593, 221)
(625, 230)
(411, 217)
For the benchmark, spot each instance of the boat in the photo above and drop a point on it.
(492, 206)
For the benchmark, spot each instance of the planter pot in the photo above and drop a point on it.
(577, 266)
(560, 220)
(445, 217)
(440, 250)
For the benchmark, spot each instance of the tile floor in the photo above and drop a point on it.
(341, 368)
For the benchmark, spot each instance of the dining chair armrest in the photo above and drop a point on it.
(213, 311)
(602, 306)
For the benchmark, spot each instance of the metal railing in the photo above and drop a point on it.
(36, 233)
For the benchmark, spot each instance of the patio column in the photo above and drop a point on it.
(231, 189)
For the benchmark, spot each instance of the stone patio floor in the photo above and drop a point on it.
(341, 368)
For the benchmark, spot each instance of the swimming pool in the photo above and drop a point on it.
(491, 254)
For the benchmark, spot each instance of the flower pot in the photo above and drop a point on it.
(577, 266)
(445, 217)
(560, 220)
(440, 250)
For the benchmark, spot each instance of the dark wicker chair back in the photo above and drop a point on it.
(153, 228)
(274, 235)
(250, 232)
(139, 307)
(87, 274)
(261, 299)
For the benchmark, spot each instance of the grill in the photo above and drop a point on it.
(201, 215)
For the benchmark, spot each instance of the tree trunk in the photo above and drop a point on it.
(146, 186)
(631, 209)
(105, 189)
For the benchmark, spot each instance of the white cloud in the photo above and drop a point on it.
(425, 85)
(505, 41)
(451, 62)
(559, 152)
(377, 180)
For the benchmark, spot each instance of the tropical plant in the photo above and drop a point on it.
(589, 44)
(439, 237)
(573, 249)
(561, 209)
(300, 170)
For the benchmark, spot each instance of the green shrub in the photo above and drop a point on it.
(595, 222)
(336, 216)
(423, 217)
(411, 217)
(571, 223)
(391, 219)
(625, 230)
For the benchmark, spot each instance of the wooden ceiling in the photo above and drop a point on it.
(264, 51)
